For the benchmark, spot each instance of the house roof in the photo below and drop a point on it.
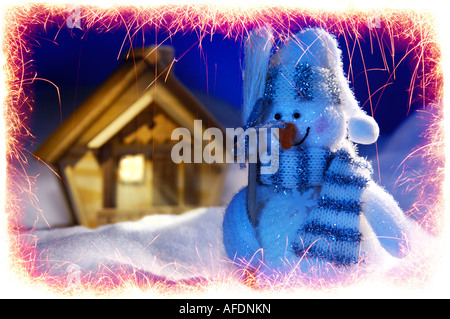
(130, 89)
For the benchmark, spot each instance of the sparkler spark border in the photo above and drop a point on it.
(206, 20)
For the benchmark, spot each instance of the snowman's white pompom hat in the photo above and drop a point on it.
(363, 129)
(316, 47)
(321, 48)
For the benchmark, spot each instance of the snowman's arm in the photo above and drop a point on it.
(239, 236)
(385, 218)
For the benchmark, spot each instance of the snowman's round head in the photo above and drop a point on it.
(305, 86)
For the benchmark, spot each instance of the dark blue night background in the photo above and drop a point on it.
(78, 61)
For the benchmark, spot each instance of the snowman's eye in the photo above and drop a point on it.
(296, 115)
(278, 116)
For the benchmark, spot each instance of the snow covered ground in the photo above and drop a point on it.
(169, 247)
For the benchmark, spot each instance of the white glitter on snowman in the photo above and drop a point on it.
(321, 210)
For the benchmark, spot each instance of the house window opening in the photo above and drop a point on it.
(132, 169)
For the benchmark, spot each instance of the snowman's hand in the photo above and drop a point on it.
(386, 219)
(239, 235)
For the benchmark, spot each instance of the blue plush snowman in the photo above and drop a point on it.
(309, 213)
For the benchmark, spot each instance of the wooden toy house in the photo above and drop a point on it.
(114, 152)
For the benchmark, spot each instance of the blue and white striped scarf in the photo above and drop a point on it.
(331, 232)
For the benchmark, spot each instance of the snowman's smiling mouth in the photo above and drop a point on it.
(304, 137)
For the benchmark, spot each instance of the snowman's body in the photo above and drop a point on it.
(306, 91)
(271, 244)
(283, 206)
(280, 216)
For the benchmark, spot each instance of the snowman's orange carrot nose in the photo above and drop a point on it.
(287, 136)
